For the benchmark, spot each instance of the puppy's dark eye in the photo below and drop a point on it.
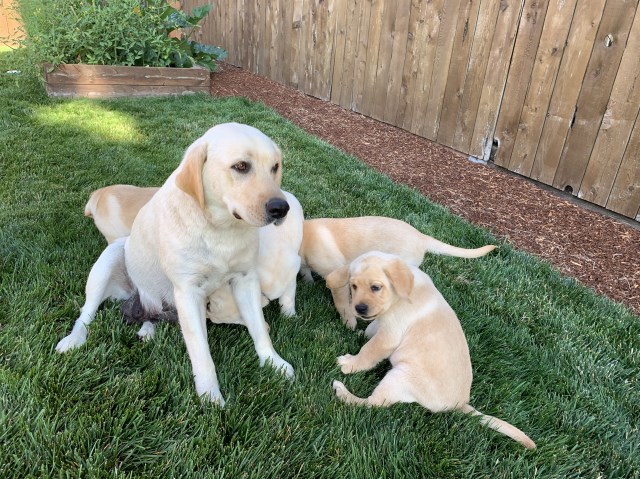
(375, 288)
(275, 168)
(242, 167)
(354, 287)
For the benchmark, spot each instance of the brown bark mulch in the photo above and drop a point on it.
(600, 251)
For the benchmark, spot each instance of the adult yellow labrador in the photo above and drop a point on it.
(115, 207)
(198, 232)
(414, 326)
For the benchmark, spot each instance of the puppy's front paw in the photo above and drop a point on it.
(347, 363)
(279, 364)
(74, 340)
(350, 322)
(339, 388)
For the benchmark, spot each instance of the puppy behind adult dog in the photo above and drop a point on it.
(114, 208)
(196, 234)
(413, 326)
(330, 243)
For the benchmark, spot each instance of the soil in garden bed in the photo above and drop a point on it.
(598, 250)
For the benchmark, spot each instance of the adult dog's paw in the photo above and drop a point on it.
(74, 340)
(276, 362)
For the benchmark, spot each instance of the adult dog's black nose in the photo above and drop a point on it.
(362, 309)
(277, 208)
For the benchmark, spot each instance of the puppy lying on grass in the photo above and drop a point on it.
(413, 326)
(114, 208)
(330, 243)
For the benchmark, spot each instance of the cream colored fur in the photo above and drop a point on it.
(113, 209)
(196, 234)
(329, 243)
(416, 329)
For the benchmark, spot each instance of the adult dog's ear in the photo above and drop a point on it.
(338, 278)
(401, 277)
(189, 178)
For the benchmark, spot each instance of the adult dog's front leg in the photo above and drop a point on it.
(192, 317)
(246, 290)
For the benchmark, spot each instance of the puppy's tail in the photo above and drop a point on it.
(91, 205)
(435, 246)
(501, 426)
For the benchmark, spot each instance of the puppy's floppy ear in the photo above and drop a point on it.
(189, 178)
(338, 278)
(401, 277)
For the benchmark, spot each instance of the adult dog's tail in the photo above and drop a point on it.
(501, 426)
(435, 246)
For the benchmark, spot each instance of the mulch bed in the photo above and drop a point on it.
(600, 251)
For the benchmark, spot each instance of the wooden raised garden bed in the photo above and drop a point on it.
(105, 81)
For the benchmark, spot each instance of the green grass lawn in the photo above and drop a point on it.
(549, 356)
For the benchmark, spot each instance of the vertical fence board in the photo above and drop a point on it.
(296, 45)
(360, 61)
(518, 81)
(625, 195)
(385, 51)
(400, 35)
(415, 32)
(373, 48)
(499, 57)
(596, 88)
(617, 124)
(573, 66)
(446, 35)
(345, 74)
(458, 69)
(478, 58)
(340, 59)
(543, 77)
(427, 46)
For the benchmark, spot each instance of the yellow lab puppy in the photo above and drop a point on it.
(329, 243)
(198, 232)
(413, 326)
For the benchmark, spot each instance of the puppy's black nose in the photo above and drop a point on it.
(362, 309)
(277, 208)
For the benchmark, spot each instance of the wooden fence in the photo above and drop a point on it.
(549, 89)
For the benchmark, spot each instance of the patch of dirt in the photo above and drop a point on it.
(598, 250)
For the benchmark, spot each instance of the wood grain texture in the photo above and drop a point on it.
(458, 70)
(543, 77)
(617, 124)
(500, 52)
(594, 94)
(524, 55)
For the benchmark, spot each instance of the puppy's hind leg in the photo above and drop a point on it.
(107, 279)
(391, 390)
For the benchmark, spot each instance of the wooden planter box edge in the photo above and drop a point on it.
(108, 81)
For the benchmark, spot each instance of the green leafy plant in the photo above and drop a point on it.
(110, 32)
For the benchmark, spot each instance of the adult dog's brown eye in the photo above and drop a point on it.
(354, 287)
(242, 167)
(275, 168)
(375, 288)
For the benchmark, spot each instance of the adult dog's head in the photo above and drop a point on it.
(376, 281)
(238, 168)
